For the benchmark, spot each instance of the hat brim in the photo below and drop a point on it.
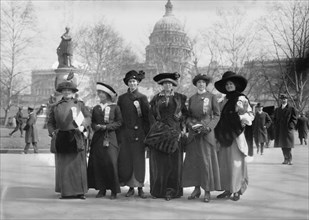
(237, 79)
(168, 80)
(73, 89)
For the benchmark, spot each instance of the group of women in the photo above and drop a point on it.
(211, 134)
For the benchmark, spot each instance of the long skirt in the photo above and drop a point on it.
(103, 168)
(166, 174)
(71, 173)
(201, 166)
(233, 169)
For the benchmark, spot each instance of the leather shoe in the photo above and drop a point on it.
(225, 194)
(101, 193)
(207, 196)
(285, 162)
(141, 193)
(113, 196)
(81, 196)
(195, 194)
(168, 198)
(290, 163)
(235, 197)
(130, 192)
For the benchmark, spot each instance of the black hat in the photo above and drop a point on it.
(240, 82)
(30, 108)
(167, 77)
(106, 88)
(283, 96)
(67, 85)
(139, 76)
(198, 77)
(259, 105)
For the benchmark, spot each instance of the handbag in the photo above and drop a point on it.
(163, 138)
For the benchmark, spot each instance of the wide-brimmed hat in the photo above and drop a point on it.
(283, 96)
(106, 88)
(139, 76)
(239, 81)
(167, 77)
(259, 105)
(198, 77)
(67, 85)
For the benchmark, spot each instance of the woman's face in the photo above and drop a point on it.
(201, 85)
(133, 84)
(230, 86)
(67, 93)
(167, 86)
(102, 95)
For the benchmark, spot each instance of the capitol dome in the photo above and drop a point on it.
(169, 22)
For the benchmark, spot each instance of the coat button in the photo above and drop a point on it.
(135, 127)
(136, 139)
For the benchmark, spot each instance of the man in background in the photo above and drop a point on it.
(19, 122)
(285, 120)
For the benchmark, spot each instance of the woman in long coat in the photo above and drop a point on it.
(31, 136)
(134, 108)
(67, 120)
(104, 149)
(229, 132)
(166, 162)
(302, 126)
(201, 168)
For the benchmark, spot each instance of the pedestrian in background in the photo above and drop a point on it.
(201, 168)
(134, 108)
(31, 136)
(302, 127)
(19, 122)
(104, 149)
(236, 114)
(285, 120)
(67, 120)
(260, 125)
(166, 156)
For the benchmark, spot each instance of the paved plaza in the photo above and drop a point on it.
(275, 191)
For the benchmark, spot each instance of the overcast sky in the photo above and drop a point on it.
(134, 20)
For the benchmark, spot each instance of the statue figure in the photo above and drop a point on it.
(65, 50)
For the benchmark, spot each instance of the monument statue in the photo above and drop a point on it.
(65, 50)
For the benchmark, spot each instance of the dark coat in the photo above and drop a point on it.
(132, 134)
(260, 125)
(31, 130)
(166, 169)
(102, 164)
(302, 126)
(71, 165)
(284, 122)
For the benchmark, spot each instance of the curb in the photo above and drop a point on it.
(19, 151)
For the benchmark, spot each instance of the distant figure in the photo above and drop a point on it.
(260, 124)
(31, 136)
(65, 50)
(19, 122)
(302, 126)
(285, 120)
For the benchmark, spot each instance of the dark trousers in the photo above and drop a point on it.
(287, 153)
(258, 145)
(19, 126)
(35, 147)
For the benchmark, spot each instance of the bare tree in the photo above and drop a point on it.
(287, 27)
(103, 51)
(231, 41)
(17, 34)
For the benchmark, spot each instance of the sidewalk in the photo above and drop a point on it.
(275, 191)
